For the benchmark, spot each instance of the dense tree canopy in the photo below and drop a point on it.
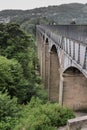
(10, 112)
(17, 63)
(19, 83)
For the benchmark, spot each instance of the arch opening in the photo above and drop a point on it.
(74, 89)
(53, 49)
(46, 40)
(72, 70)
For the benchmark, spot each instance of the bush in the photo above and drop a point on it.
(40, 116)
(18, 61)
(9, 112)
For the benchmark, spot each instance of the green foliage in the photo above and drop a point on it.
(40, 116)
(30, 25)
(62, 14)
(11, 78)
(9, 112)
(18, 60)
(17, 70)
(18, 63)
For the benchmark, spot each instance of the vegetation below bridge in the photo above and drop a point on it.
(23, 100)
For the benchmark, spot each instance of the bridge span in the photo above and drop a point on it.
(62, 52)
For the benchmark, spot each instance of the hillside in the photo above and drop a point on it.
(62, 14)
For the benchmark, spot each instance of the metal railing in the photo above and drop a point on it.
(74, 32)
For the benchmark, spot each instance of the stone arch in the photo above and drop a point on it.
(54, 76)
(74, 89)
(54, 49)
(46, 40)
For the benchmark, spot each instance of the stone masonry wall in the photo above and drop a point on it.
(75, 91)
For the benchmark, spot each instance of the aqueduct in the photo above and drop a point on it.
(62, 52)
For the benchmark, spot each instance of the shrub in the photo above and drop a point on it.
(9, 112)
(18, 62)
(40, 116)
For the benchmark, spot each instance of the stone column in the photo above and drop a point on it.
(54, 77)
(61, 89)
(39, 47)
(46, 65)
(41, 57)
(43, 62)
(49, 75)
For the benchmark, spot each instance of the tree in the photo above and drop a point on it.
(9, 112)
(17, 67)
(11, 78)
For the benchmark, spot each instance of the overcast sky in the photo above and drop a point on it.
(30, 4)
